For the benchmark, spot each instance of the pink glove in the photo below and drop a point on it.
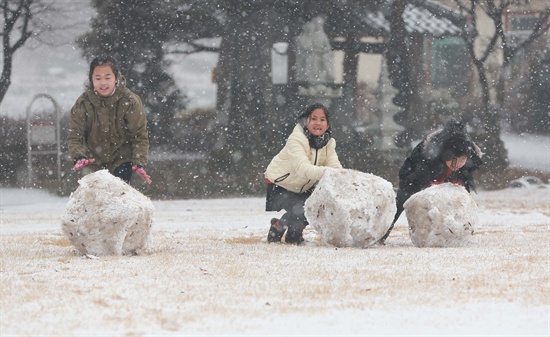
(82, 163)
(141, 172)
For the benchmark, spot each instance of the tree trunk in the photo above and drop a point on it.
(399, 71)
(244, 106)
(496, 158)
(5, 79)
(11, 17)
(420, 118)
(349, 95)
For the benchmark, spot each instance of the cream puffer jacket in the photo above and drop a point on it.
(298, 167)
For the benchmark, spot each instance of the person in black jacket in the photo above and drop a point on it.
(446, 155)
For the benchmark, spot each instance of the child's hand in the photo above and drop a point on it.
(141, 172)
(82, 163)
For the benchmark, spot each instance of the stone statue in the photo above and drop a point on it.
(314, 59)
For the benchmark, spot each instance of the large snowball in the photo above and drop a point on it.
(350, 208)
(441, 216)
(106, 216)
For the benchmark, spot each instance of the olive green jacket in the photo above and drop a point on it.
(112, 130)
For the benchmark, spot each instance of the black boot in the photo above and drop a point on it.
(294, 233)
(276, 231)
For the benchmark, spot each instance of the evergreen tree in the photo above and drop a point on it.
(134, 32)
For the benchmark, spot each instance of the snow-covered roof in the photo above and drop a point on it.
(422, 21)
(425, 17)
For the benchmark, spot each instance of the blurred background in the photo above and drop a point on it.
(224, 81)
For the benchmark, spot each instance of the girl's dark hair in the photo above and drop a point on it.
(455, 140)
(456, 146)
(101, 61)
(309, 109)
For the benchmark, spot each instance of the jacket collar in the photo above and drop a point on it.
(107, 101)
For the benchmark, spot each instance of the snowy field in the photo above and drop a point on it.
(211, 272)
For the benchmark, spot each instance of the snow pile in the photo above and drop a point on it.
(441, 216)
(106, 216)
(350, 208)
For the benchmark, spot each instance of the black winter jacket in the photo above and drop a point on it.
(424, 163)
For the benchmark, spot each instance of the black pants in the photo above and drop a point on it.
(124, 171)
(279, 198)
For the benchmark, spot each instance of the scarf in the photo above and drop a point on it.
(318, 142)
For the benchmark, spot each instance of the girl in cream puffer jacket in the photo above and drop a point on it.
(293, 172)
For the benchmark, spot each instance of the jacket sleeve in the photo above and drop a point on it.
(137, 127)
(76, 134)
(467, 172)
(300, 161)
(416, 172)
(332, 156)
(467, 180)
(412, 174)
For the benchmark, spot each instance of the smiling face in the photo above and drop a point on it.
(317, 123)
(104, 80)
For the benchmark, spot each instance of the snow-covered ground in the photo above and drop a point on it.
(211, 272)
(528, 151)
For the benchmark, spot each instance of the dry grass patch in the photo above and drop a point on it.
(215, 277)
(55, 240)
(196, 276)
(244, 240)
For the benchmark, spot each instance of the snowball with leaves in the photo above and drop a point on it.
(442, 216)
(349, 208)
(106, 216)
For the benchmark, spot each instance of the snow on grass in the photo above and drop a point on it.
(210, 271)
(528, 151)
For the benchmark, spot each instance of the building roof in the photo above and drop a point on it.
(424, 17)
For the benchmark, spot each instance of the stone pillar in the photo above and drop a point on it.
(387, 127)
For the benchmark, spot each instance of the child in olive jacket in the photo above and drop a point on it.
(108, 126)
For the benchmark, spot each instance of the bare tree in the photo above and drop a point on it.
(490, 116)
(16, 29)
(510, 50)
(23, 21)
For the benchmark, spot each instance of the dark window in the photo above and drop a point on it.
(450, 62)
(522, 23)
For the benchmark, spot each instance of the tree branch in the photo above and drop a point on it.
(541, 27)
(195, 48)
